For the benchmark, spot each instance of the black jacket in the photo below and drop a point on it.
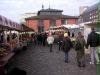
(93, 39)
(66, 44)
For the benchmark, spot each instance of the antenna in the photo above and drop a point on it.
(49, 4)
(42, 5)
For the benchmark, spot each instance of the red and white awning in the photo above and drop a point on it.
(9, 24)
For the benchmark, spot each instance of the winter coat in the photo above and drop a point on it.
(50, 39)
(66, 44)
(60, 39)
(93, 39)
(80, 44)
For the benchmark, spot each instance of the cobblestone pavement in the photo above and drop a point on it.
(37, 60)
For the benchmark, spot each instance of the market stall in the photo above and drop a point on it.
(13, 37)
(88, 26)
(26, 35)
(7, 41)
(57, 29)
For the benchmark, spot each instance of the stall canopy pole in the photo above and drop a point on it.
(10, 35)
(5, 36)
(11, 39)
(18, 37)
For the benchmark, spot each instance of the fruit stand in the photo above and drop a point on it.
(6, 42)
(13, 37)
(25, 36)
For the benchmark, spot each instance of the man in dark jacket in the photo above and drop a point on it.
(44, 38)
(60, 39)
(93, 41)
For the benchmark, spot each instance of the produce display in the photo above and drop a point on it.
(4, 50)
(13, 43)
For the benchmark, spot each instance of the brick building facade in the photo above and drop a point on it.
(47, 18)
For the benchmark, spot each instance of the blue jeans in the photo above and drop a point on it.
(94, 54)
(66, 56)
(60, 43)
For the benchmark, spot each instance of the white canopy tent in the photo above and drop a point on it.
(73, 26)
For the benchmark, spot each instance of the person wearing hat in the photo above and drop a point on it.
(66, 46)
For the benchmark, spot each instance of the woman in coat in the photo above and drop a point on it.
(66, 46)
(50, 40)
(79, 47)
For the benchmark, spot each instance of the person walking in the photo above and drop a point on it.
(72, 34)
(60, 39)
(79, 47)
(68, 33)
(44, 38)
(66, 46)
(93, 41)
(50, 40)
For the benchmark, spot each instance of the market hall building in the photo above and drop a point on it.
(47, 18)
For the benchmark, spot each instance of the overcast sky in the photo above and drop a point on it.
(13, 9)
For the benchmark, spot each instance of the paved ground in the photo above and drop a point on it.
(37, 60)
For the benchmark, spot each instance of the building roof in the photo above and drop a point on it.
(52, 17)
(26, 28)
(49, 10)
(91, 8)
(67, 16)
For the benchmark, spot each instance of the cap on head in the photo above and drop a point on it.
(66, 35)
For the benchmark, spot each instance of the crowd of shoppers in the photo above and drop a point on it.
(65, 43)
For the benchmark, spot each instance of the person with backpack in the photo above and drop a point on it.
(93, 41)
(79, 47)
(66, 46)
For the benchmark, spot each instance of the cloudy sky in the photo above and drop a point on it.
(13, 9)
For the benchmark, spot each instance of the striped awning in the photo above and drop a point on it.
(6, 23)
